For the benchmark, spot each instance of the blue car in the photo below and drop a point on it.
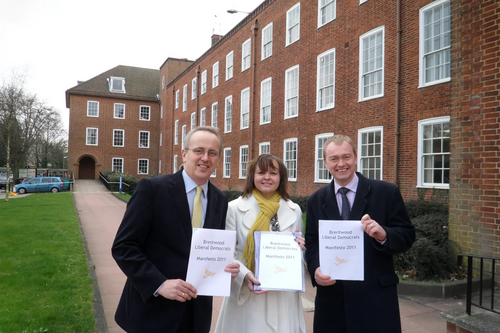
(40, 184)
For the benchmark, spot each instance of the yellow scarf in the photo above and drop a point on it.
(268, 208)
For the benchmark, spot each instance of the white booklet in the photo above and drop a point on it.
(278, 261)
(211, 251)
(341, 250)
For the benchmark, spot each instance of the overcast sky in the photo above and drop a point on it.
(58, 42)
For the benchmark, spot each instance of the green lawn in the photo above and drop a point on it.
(44, 277)
(125, 197)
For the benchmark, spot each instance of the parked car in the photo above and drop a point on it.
(3, 181)
(40, 184)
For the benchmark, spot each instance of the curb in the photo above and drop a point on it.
(438, 289)
(100, 318)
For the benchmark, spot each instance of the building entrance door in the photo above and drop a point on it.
(87, 168)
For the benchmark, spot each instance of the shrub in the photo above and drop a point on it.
(231, 195)
(432, 254)
(114, 179)
(301, 201)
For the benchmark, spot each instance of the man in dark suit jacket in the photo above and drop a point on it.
(153, 242)
(358, 306)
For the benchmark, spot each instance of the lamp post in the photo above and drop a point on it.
(234, 11)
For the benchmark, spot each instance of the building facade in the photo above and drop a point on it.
(295, 72)
(114, 123)
(414, 82)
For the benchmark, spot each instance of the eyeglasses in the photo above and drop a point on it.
(275, 225)
(198, 151)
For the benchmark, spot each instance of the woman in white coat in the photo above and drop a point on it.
(263, 206)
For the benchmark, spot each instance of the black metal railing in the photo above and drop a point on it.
(470, 269)
(113, 186)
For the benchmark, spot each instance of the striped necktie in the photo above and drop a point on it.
(346, 209)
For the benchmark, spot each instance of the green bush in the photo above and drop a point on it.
(301, 201)
(432, 255)
(231, 195)
(114, 178)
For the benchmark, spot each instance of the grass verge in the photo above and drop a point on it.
(44, 277)
(125, 197)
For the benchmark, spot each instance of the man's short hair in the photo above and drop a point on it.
(338, 139)
(214, 130)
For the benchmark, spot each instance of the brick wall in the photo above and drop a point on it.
(348, 114)
(104, 151)
(475, 114)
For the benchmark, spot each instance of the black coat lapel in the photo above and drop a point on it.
(329, 204)
(212, 201)
(177, 191)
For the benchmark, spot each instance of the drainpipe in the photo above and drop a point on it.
(255, 28)
(172, 126)
(198, 85)
(398, 91)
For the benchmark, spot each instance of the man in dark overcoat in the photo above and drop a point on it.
(153, 243)
(371, 305)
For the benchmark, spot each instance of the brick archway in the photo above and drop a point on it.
(86, 169)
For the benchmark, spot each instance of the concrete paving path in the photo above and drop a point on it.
(100, 215)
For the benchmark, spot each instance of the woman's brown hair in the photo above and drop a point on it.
(266, 162)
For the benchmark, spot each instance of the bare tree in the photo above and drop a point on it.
(23, 120)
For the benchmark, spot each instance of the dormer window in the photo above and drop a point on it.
(117, 84)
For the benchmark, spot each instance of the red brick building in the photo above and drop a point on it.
(295, 72)
(414, 82)
(114, 123)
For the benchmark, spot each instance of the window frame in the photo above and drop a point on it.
(214, 115)
(177, 98)
(361, 79)
(245, 108)
(149, 139)
(268, 100)
(176, 133)
(422, 55)
(266, 42)
(228, 121)
(112, 79)
(113, 164)
(243, 165)
(183, 135)
(175, 163)
(366, 130)
(320, 79)
(246, 52)
(114, 110)
(420, 164)
(319, 158)
(141, 114)
(264, 144)
(203, 82)
(289, 28)
(286, 161)
(97, 109)
(229, 68)
(226, 166)
(123, 137)
(320, 16)
(194, 88)
(193, 121)
(139, 166)
(287, 97)
(203, 112)
(87, 136)
(215, 75)
(184, 97)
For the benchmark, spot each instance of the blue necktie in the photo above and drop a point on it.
(346, 209)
